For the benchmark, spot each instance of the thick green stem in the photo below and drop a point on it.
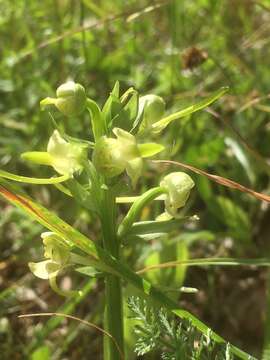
(113, 289)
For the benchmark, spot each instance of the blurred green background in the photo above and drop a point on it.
(181, 50)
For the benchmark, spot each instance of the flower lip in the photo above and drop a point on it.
(44, 269)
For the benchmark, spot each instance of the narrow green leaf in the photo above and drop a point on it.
(97, 119)
(242, 157)
(132, 106)
(125, 112)
(151, 227)
(30, 180)
(170, 252)
(89, 271)
(161, 124)
(150, 149)
(136, 209)
(264, 262)
(110, 104)
(116, 89)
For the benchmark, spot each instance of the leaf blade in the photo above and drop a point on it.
(163, 123)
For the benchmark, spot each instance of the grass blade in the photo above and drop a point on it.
(208, 262)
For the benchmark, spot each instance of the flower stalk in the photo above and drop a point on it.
(137, 207)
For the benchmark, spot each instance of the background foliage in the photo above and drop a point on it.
(181, 50)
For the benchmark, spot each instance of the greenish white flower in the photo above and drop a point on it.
(55, 248)
(112, 156)
(152, 108)
(57, 254)
(65, 157)
(70, 100)
(178, 186)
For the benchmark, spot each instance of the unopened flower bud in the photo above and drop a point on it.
(178, 186)
(70, 100)
(153, 108)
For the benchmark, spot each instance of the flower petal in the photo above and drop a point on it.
(134, 170)
(44, 269)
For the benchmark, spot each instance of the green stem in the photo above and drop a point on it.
(137, 207)
(113, 288)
